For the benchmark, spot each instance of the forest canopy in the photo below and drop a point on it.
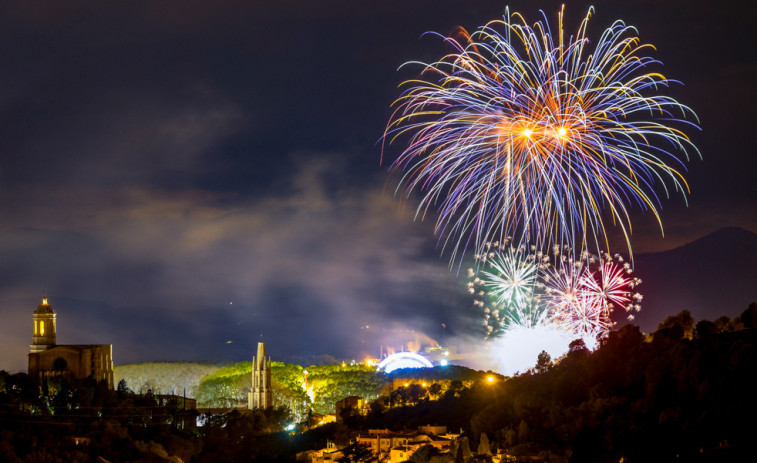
(226, 386)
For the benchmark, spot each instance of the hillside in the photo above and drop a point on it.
(164, 377)
(227, 386)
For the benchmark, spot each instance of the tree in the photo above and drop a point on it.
(464, 448)
(122, 389)
(721, 322)
(45, 388)
(577, 345)
(435, 390)
(511, 437)
(679, 325)
(705, 328)
(424, 454)
(453, 448)
(543, 362)
(524, 433)
(455, 387)
(376, 409)
(483, 445)
(749, 317)
(415, 392)
(735, 324)
(357, 452)
(459, 456)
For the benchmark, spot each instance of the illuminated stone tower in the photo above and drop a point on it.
(71, 361)
(261, 394)
(44, 328)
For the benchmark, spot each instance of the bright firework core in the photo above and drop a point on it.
(518, 349)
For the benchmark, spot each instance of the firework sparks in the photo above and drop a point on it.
(511, 279)
(571, 301)
(508, 289)
(520, 133)
(577, 296)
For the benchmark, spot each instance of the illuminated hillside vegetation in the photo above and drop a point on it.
(228, 385)
(164, 377)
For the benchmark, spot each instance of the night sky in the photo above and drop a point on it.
(186, 178)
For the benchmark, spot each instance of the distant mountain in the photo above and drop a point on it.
(712, 276)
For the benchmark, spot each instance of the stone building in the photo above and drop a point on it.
(261, 393)
(79, 361)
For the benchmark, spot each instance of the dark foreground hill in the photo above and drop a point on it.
(712, 276)
(666, 398)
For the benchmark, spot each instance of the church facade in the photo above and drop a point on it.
(261, 394)
(77, 361)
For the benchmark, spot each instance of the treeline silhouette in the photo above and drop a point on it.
(683, 393)
(86, 421)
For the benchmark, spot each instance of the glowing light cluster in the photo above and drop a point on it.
(404, 360)
(518, 349)
(518, 132)
(536, 301)
(525, 288)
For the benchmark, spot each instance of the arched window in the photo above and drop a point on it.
(36, 328)
(41, 327)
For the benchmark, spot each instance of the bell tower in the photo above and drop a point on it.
(44, 327)
(261, 393)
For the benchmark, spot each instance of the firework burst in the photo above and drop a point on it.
(511, 278)
(520, 133)
(520, 288)
(508, 288)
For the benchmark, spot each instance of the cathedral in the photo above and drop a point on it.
(261, 394)
(48, 359)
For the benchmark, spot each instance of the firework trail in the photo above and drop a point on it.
(520, 132)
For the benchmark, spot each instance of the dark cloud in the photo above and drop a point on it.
(312, 265)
